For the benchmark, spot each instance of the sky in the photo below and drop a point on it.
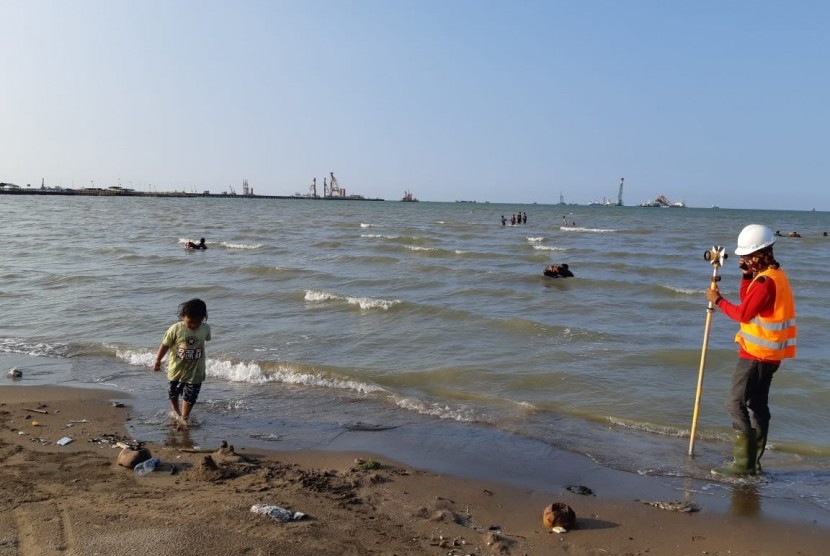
(710, 102)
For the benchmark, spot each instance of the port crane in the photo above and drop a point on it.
(332, 189)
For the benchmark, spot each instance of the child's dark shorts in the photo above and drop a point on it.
(188, 392)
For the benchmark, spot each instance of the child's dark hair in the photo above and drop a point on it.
(195, 309)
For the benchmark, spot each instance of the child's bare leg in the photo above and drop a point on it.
(187, 407)
(174, 405)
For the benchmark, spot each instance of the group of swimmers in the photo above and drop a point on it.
(520, 218)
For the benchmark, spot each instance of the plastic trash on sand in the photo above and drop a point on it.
(63, 441)
(280, 514)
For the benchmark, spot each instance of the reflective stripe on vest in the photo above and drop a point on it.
(772, 338)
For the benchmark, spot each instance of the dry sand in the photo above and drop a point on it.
(76, 500)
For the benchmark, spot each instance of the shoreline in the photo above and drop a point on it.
(395, 509)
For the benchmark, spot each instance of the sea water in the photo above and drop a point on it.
(334, 320)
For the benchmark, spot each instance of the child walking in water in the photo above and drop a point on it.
(186, 364)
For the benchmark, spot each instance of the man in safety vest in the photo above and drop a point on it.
(766, 337)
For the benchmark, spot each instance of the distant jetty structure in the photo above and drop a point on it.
(332, 192)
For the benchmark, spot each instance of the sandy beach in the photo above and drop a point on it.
(74, 498)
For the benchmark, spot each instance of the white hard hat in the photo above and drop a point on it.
(753, 238)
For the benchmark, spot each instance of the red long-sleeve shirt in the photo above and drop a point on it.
(758, 300)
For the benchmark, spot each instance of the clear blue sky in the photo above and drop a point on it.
(711, 101)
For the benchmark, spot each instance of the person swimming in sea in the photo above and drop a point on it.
(191, 245)
(558, 271)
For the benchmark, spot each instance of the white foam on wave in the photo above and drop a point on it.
(462, 415)
(549, 248)
(251, 372)
(581, 229)
(381, 236)
(687, 291)
(38, 349)
(292, 376)
(138, 358)
(539, 239)
(364, 225)
(364, 303)
(417, 248)
(231, 245)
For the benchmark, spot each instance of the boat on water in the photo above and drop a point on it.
(408, 197)
(605, 201)
(663, 201)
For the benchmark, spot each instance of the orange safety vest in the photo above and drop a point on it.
(772, 338)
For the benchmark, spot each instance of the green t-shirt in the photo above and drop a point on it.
(186, 358)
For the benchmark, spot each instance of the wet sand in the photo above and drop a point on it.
(76, 499)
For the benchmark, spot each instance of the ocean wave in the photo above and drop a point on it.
(653, 428)
(539, 239)
(591, 230)
(365, 303)
(398, 238)
(441, 411)
(254, 372)
(549, 248)
(686, 291)
(230, 245)
(434, 251)
(38, 349)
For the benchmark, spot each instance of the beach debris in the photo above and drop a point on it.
(498, 543)
(15, 373)
(43, 411)
(368, 427)
(35, 423)
(117, 404)
(445, 542)
(581, 489)
(558, 530)
(280, 514)
(560, 515)
(147, 466)
(367, 465)
(130, 457)
(134, 445)
(268, 437)
(114, 440)
(672, 505)
(63, 441)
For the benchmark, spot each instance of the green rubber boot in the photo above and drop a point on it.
(760, 446)
(745, 451)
